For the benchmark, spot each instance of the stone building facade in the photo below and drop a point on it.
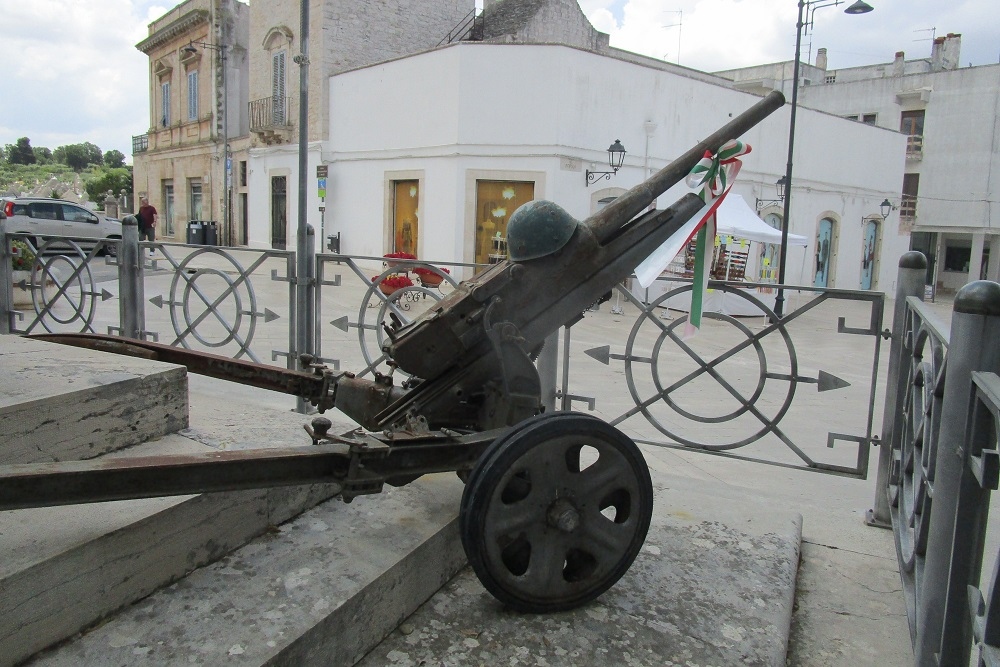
(197, 101)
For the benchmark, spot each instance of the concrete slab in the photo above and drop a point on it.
(321, 590)
(713, 585)
(64, 568)
(60, 403)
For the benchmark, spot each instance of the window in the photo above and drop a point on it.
(851, 116)
(869, 118)
(194, 205)
(831, 78)
(168, 208)
(908, 205)
(45, 211)
(406, 207)
(165, 103)
(278, 86)
(77, 214)
(243, 173)
(957, 259)
(912, 123)
(193, 95)
(495, 202)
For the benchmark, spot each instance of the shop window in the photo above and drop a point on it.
(495, 202)
(957, 258)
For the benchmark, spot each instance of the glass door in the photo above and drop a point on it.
(279, 212)
(824, 245)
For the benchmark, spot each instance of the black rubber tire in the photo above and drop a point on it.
(521, 489)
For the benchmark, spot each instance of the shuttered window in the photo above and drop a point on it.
(278, 86)
(165, 103)
(193, 95)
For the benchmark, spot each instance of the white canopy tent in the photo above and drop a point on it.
(736, 218)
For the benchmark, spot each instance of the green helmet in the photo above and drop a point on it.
(537, 229)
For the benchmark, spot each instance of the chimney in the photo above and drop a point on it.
(951, 51)
(899, 64)
(937, 48)
(821, 59)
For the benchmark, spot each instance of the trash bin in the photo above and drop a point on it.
(196, 233)
(333, 243)
(211, 233)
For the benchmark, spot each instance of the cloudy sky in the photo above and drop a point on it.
(70, 72)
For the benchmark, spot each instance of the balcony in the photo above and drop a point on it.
(270, 119)
(915, 147)
(140, 143)
(908, 208)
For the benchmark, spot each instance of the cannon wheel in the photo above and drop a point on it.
(555, 512)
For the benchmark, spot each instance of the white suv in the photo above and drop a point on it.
(41, 217)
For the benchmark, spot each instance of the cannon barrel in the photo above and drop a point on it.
(605, 223)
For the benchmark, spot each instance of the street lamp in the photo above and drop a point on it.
(886, 208)
(859, 7)
(780, 187)
(616, 155)
(226, 162)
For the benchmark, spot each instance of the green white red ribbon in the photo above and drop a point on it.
(711, 179)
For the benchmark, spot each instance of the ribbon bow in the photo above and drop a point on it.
(713, 173)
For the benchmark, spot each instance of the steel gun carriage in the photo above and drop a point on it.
(556, 504)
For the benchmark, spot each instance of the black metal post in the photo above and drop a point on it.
(779, 299)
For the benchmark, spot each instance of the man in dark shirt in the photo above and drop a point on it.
(147, 218)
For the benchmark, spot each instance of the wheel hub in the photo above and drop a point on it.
(563, 515)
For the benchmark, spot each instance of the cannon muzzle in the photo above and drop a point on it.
(606, 222)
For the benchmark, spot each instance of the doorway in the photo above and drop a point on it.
(279, 212)
(824, 252)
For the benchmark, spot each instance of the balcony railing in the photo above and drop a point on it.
(915, 146)
(140, 143)
(269, 113)
(908, 207)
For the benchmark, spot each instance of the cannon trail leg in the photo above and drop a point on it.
(555, 512)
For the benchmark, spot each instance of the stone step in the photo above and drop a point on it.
(323, 589)
(63, 569)
(61, 403)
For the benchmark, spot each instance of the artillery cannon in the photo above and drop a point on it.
(556, 505)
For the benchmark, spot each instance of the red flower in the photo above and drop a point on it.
(423, 271)
(394, 282)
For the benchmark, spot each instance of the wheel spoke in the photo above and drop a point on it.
(548, 553)
(508, 519)
(599, 480)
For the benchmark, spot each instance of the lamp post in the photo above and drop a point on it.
(859, 7)
(221, 49)
(616, 155)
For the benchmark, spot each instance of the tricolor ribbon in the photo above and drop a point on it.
(711, 179)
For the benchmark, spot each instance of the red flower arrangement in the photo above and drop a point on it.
(430, 277)
(392, 283)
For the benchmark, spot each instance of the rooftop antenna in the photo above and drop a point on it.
(932, 31)
(679, 25)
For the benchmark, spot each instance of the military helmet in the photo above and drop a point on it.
(537, 229)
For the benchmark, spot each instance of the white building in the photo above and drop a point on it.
(947, 196)
(431, 153)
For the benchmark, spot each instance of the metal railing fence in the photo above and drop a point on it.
(941, 463)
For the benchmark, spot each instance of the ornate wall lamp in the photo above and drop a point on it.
(616, 155)
(780, 187)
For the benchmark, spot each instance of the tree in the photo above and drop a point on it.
(78, 156)
(21, 152)
(42, 155)
(103, 180)
(114, 159)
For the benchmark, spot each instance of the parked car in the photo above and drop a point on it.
(43, 217)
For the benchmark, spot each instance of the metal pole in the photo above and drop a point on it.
(305, 253)
(130, 287)
(942, 611)
(6, 280)
(548, 367)
(225, 141)
(909, 282)
(779, 299)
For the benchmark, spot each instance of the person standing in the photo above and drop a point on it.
(147, 217)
